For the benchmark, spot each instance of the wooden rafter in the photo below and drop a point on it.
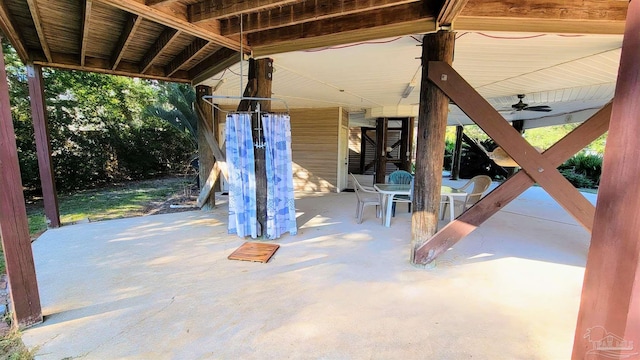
(571, 16)
(216, 9)
(12, 33)
(165, 39)
(171, 20)
(392, 21)
(299, 13)
(213, 64)
(572, 201)
(450, 10)
(84, 33)
(160, 2)
(35, 16)
(194, 49)
(99, 65)
(132, 24)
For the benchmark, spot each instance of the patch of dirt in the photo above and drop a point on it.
(185, 200)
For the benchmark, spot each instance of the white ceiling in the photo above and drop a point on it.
(573, 74)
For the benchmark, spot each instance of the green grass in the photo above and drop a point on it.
(12, 347)
(115, 202)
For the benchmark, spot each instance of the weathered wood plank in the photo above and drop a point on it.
(491, 122)
(14, 230)
(35, 16)
(165, 39)
(175, 22)
(432, 125)
(194, 49)
(133, 22)
(43, 145)
(215, 148)
(84, 32)
(215, 9)
(12, 33)
(208, 169)
(611, 289)
(510, 189)
(298, 13)
(213, 64)
(398, 20)
(450, 10)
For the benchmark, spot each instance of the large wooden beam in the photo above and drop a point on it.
(530, 160)
(398, 20)
(213, 64)
(43, 144)
(209, 33)
(130, 27)
(35, 16)
(14, 229)
(496, 200)
(557, 16)
(216, 9)
(208, 170)
(301, 12)
(194, 49)
(12, 33)
(165, 39)
(449, 11)
(432, 125)
(84, 33)
(610, 302)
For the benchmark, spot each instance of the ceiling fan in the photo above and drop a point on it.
(520, 105)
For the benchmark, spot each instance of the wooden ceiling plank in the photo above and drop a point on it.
(300, 13)
(86, 16)
(165, 39)
(35, 16)
(449, 11)
(194, 49)
(12, 33)
(172, 21)
(160, 2)
(99, 65)
(133, 22)
(213, 64)
(474, 23)
(217, 9)
(614, 10)
(399, 20)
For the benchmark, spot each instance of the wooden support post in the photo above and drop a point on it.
(260, 78)
(363, 148)
(381, 149)
(457, 154)
(405, 159)
(43, 145)
(14, 230)
(432, 124)
(610, 303)
(519, 126)
(205, 153)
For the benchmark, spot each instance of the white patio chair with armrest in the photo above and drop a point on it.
(366, 196)
(478, 186)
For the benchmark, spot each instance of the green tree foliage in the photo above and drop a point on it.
(175, 105)
(99, 130)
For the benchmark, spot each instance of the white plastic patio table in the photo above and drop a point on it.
(390, 190)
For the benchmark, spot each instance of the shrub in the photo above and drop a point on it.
(584, 169)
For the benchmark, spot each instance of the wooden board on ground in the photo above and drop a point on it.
(251, 251)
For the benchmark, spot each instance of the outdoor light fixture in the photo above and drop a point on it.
(409, 89)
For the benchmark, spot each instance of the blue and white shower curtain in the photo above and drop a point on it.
(281, 209)
(242, 176)
(281, 213)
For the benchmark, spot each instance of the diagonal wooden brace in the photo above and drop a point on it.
(515, 185)
(219, 166)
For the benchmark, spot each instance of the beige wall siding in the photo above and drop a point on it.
(314, 148)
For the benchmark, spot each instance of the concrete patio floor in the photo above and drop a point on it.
(161, 287)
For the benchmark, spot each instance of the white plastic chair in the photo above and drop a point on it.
(479, 185)
(366, 196)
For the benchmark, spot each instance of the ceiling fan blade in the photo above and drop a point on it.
(544, 108)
